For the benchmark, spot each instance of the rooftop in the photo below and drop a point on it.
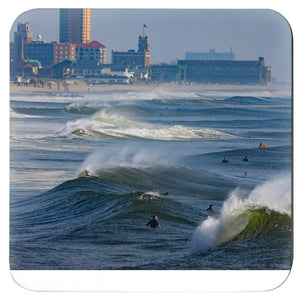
(93, 44)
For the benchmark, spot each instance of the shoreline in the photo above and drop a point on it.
(81, 87)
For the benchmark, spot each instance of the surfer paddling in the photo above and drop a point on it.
(154, 223)
(210, 208)
(246, 158)
(225, 160)
(262, 146)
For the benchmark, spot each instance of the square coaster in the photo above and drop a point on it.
(150, 145)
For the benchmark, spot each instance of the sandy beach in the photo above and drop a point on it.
(79, 86)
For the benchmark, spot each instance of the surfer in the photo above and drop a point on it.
(246, 158)
(84, 173)
(225, 160)
(262, 146)
(211, 208)
(154, 223)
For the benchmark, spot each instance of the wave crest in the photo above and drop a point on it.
(269, 203)
(106, 123)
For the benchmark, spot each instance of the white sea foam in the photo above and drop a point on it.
(134, 156)
(274, 194)
(146, 94)
(113, 124)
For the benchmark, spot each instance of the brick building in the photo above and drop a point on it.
(94, 51)
(131, 58)
(63, 51)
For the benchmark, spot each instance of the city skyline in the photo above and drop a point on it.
(250, 33)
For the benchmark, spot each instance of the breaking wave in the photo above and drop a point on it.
(109, 124)
(266, 210)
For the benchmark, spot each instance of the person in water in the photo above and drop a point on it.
(262, 146)
(225, 160)
(154, 223)
(246, 158)
(211, 208)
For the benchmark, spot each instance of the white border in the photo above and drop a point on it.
(184, 281)
(150, 281)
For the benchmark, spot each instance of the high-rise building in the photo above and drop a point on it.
(75, 25)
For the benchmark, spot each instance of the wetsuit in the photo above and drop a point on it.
(153, 223)
(225, 161)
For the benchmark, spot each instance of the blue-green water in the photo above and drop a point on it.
(88, 171)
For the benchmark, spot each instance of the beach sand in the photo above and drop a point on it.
(80, 87)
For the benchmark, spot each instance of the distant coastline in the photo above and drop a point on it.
(78, 86)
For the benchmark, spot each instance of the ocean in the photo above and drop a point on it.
(88, 171)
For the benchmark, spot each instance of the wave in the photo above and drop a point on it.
(84, 204)
(158, 169)
(250, 100)
(36, 107)
(147, 94)
(90, 108)
(266, 210)
(40, 111)
(81, 108)
(66, 207)
(111, 124)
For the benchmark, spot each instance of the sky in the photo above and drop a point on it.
(172, 32)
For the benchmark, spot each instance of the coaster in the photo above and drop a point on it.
(150, 150)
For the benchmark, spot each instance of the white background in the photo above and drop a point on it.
(289, 9)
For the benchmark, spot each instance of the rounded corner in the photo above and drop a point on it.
(15, 20)
(19, 280)
(281, 281)
(282, 16)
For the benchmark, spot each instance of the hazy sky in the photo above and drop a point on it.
(172, 32)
